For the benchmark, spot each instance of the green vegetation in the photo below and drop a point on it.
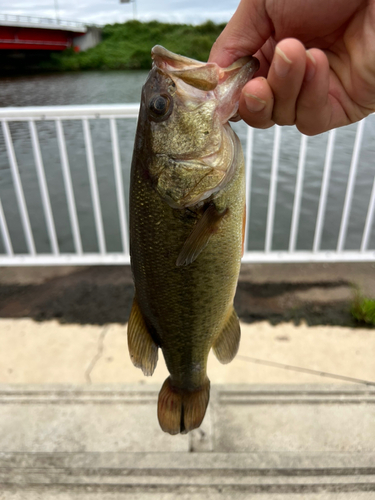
(128, 45)
(363, 310)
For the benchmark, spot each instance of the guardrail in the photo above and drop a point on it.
(113, 113)
(50, 21)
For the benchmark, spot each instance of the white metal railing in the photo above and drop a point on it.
(112, 113)
(22, 20)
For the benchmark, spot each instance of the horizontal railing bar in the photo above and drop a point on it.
(69, 112)
(308, 256)
(53, 22)
(65, 260)
(122, 258)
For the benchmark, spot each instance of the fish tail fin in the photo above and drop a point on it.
(180, 410)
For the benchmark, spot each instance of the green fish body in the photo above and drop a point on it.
(187, 209)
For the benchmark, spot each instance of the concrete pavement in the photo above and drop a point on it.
(53, 353)
(77, 419)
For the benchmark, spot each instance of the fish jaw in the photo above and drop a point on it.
(226, 83)
(192, 143)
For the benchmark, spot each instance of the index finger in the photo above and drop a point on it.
(245, 34)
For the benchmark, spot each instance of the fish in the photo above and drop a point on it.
(186, 224)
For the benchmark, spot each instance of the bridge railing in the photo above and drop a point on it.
(61, 117)
(35, 20)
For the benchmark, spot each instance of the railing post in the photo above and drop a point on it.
(298, 194)
(324, 190)
(350, 186)
(273, 188)
(248, 178)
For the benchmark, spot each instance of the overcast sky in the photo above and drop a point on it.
(111, 11)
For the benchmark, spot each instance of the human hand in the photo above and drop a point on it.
(317, 61)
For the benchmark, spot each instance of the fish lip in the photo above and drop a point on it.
(158, 51)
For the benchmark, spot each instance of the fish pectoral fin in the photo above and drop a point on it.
(198, 239)
(226, 345)
(142, 349)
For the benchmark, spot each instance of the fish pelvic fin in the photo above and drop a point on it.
(180, 410)
(198, 239)
(226, 345)
(142, 349)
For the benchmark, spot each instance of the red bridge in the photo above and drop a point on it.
(33, 33)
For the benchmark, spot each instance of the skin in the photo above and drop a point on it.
(317, 61)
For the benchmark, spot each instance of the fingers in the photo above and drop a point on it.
(296, 91)
(317, 110)
(285, 78)
(244, 34)
(279, 92)
(256, 103)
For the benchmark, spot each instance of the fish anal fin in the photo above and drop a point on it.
(180, 410)
(226, 345)
(198, 239)
(142, 349)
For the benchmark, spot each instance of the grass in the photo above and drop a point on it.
(363, 310)
(128, 45)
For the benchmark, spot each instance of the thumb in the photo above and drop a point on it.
(245, 34)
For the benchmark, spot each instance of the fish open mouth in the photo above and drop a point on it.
(225, 83)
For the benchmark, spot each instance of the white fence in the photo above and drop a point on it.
(112, 113)
(42, 22)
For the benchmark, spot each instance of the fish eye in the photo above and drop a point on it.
(159, 105)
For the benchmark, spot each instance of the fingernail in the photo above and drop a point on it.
(310, 68)
(253, 103)
(282, 63)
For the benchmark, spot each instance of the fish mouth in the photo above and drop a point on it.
(225, 83)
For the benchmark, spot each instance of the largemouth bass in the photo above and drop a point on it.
(187, 212)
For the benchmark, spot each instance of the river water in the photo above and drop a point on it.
(125, 87)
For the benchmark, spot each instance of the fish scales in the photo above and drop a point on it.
(186, 236)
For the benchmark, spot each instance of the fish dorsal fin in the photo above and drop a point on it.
(198, 239)
(142, 349)
(226, 345)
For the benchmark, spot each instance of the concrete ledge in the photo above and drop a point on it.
(221, 474)
(312, 441)
(240, 418)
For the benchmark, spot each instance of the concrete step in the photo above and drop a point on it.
(312, 441)
(187, 475)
